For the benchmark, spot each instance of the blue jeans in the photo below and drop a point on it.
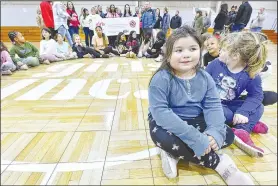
(238, 27)
(73, 30)
(256, 29)
(254, 115)
(88, 36)
(64, 32)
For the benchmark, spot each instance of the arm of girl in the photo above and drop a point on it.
(254, 97)
(164, 116)
(213, 113)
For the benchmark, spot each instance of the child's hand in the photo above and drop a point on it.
(239, 119)
(212, 143)
(153, 50)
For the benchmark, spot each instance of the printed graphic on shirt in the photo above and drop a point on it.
(226, 86)
(25, 51)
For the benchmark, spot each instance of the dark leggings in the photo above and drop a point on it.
(108, 50)
(270, 98)
(88, 50)
(154, 54)
(168, 141)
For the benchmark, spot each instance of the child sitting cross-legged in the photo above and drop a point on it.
(64, 48)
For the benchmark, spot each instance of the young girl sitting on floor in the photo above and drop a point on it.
(145, 45)
(28, 54)
(64, 48)
(84, 51)
(100, 43)
(242, 57)
(133, 45)
(48, 47)
(155, 50)
(7, 64)
(186, 117)
(120, 44)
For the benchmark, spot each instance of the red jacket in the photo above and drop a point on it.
(47, 14)
(74, 15)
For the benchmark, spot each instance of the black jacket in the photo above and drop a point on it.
(157, 24)
(243, 14)
(220, 20)
(175, 22)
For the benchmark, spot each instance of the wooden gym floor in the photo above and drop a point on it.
(85, 122)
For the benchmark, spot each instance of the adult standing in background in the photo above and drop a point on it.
(165, 21)
(148, 18)
(100, 12)
(198, 22)
(61, 17)
(257, 23)
(73, 23)
(221, 19)
(242, 17)
(206, 22)
(157, 25)
(176, 21)
(47, 15)
(112, 12)
(137, 12)
(127, 12)
(119, 12)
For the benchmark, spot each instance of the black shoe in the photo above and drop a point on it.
(105, 56)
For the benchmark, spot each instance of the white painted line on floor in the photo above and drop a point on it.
(41, 74)
(40, 90)
(5, 92)
(70, 91)
(56, 67)
(111, 68)
(92, 68)
(69, 70)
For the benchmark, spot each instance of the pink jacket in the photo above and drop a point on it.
(5, 57)
(109, 15)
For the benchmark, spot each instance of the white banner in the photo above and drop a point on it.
(112, 26)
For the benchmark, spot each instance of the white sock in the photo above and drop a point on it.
(229, 172)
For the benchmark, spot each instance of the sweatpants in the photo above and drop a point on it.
(254, 115)
(31, 61)
(270, 98)
(108, 50)
(178, 149)
(9, 65)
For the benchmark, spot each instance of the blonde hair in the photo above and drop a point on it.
(251, 48)
(74, 36)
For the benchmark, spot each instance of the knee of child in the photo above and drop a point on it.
(35, 62)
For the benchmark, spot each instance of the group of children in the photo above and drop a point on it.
(194, 110)
(55, 49)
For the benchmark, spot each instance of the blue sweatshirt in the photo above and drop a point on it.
(231, 85)
(172, 100)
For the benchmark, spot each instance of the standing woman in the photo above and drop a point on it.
(157, 25)
(198, 22)
(85, 22)
(112, 14)
(165, 21)
(73, 23)
(221, 19)
(94, 20)
(127, 12)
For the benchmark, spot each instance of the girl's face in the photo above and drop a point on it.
(112, 7)
(197, 14)
(157, 11)
(225, 56)
(45, 34)
(77, 40)
(123, 37)
(70, 5)
(60, 38)
(93, 11)
(19, 38)
(127, 8)
(87, 12)
(212, 45)
(137, 9)
(99, 31)
(134, 35)
(185, 55)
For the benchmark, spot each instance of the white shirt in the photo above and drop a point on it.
(60, 15)
(85, 22)
(93, 20)
(48, 47)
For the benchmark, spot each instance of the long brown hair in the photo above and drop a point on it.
(103, 36)
(184, 31)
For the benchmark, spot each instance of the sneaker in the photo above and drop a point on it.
(260, 128)
(140, 54)
(245, 143)
(105, 56)
(6, 72)
(46, 62)
(229, 172)
(20, 63)
(132, 55)
(169, 164)
(23, 67)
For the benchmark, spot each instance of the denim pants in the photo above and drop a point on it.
(64, 32)
(256, 29)
(73, 30)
